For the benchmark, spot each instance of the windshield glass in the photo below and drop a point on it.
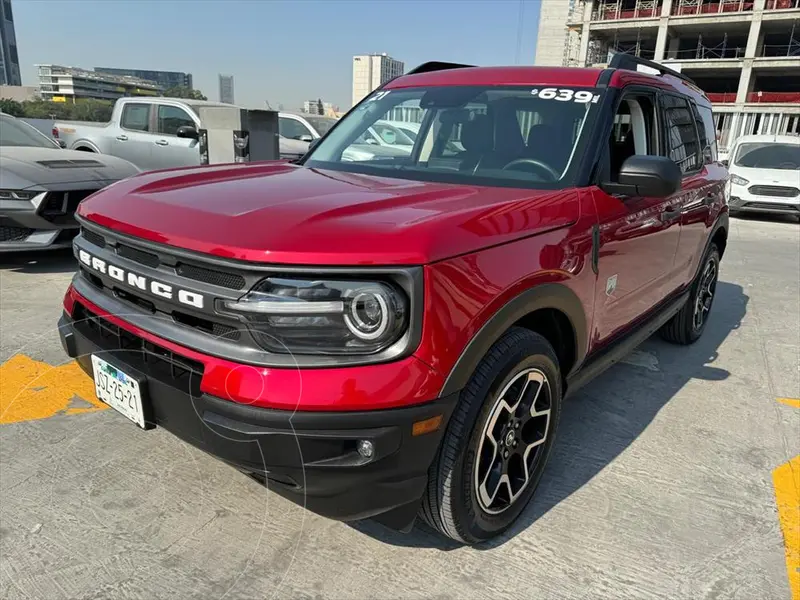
(508, 136)
(768, 155)
(320, 124)
(14, 132)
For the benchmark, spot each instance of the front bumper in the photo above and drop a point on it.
(23, 226)
(310, 458)
(740, 199)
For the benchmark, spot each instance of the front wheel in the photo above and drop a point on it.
(497, 441)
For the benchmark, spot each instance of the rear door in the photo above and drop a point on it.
(168, 149)
(134, 139)
(638, 234)
(689, 145)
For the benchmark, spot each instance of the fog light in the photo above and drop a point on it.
(366, 448)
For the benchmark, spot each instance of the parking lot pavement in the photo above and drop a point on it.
(670, 477)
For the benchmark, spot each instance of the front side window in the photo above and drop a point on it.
(482, 135)
(292, 128)
(682, 140)
(136, 117)
(170, 118)
(768, 155)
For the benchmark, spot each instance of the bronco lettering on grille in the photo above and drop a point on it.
(157, 288)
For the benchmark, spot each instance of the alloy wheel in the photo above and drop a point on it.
(705, 295)
(512, 441)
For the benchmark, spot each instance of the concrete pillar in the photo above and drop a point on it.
(674, 44)
(745, 81)
(755, 39)
(666, 8)
(584, 51)
(661, 40)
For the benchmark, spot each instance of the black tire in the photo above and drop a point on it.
(451, 503)
(683, 328)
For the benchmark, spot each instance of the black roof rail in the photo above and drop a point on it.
(630, 62)
(431, 66)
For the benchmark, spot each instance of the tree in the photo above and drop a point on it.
(91, 110)
(184, 92)
(11, 107)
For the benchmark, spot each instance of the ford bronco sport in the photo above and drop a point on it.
(395, 336)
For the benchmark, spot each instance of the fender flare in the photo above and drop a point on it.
(85, 144)
(548, 295)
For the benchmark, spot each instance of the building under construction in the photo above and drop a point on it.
(744, 53)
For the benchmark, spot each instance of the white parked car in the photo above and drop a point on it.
(765, 175)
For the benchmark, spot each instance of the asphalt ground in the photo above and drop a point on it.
(676, 474)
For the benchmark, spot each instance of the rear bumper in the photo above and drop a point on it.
(310, 458)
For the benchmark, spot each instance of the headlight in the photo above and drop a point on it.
(306, 316)
(739, 180)
(17, 195)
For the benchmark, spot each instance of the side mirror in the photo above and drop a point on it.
(724, 162)
(305, 138)
(312, 144)
(187, 131)
(653, 176)
(62, 144)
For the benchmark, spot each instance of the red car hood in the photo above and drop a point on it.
(282, 213)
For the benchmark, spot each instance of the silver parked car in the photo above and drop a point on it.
(41, 186)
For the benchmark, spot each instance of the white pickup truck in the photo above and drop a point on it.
(152, 133)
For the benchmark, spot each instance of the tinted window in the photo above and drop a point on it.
(292, 128)
(684, 145)
(14, 132)
(768, 155)
(136, 117)
(708, 135)
(172, 117)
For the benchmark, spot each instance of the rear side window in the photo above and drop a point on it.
(136, 117)
(708, 136)
(682, 140)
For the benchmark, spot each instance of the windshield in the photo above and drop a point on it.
(507, 136)
(769, 155)
(320, 124)
(14, 132)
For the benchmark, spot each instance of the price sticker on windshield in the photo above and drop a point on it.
(566, 95)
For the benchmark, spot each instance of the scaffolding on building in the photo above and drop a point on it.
(613, 10)
(703, 7)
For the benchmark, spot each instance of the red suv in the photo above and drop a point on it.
(387, 330)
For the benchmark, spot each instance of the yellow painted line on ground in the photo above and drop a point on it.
(31, 390)
(786, 480)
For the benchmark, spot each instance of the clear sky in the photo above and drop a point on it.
(283, 52)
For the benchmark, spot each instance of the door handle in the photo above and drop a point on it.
(162, 143)
(670, 213)
(122, 138)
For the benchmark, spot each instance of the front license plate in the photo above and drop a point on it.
(119, 390)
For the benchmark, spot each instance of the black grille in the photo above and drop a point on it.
(779, 191)
(140, 256)
(60, 207)
(94, 238)
(14, 234)
(152, 360)
(227, 280)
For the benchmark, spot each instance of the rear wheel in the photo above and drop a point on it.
(688, 325)
(497, 441)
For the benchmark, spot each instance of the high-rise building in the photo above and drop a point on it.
(9, 59)
(67, 84)
(745, 54)
(226, 89)
(165, 79)
(371, 71)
